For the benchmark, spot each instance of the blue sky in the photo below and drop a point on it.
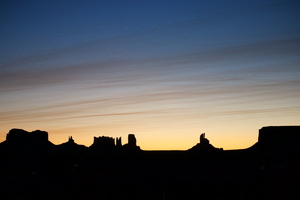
(159, 69)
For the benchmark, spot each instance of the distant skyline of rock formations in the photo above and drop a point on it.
(19, 141)
(271, 139)
(22, 138)
(38, 136)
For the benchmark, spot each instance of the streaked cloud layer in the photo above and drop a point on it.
(166, 71)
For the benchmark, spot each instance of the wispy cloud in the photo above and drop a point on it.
(116, 70)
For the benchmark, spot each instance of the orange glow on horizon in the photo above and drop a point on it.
(151, 140)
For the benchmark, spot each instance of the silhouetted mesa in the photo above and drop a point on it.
(278, 140)
(204, 146)
(20, 136)
(20, 142)
(109, 144)
(103, 143)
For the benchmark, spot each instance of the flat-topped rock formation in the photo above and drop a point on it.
(103, 143)
(19, 142)
(20, 136)
(280, 135)
(278, 141)
(108, 144)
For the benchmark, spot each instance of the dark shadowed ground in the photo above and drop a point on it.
(151, 175)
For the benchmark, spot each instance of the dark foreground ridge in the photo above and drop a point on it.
(31, 167)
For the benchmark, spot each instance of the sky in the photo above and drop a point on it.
(165, 71)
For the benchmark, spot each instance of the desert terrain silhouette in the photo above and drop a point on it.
(34, 168)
